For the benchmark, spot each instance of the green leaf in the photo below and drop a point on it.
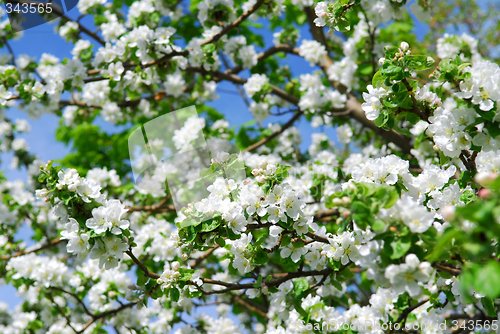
(400, 247)
(174, 294)
(260, 257)
(468, 196)
(220, 241)
(186, 274)
(493, 129)
(489, 306)
(419, 62)
(300, 286)
(336, 284)
(392, 70)
(210, 225)
(378, 225)
(487, 278)
(343, 24)
(378, 79)
(242, 139)
(258, 283)
(208, 48)
(382, 118)
(141, 279)
(361, 214)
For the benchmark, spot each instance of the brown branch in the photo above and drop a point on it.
(352, 104)
(469, 160)
(285, 277)
(409, 309)
(199, 260)
(250, 307)
(275, 134)
(106, 314)
(141, 265)
(447, 268)
(60, 14)
(153, 208)
(317, 238)
(416, 109)
(275, 247)
(68, 320)
(322, 214)
(235, 24)
(263, 55)
(85, 309)
(21, 253)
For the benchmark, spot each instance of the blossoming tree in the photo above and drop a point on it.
(395, 231)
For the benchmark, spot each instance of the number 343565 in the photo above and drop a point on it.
(25, 8)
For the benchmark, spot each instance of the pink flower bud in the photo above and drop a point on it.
(484, 193)
(448, 212)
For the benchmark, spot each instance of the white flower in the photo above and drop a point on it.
(260, 111)
(237, 224)
(174, 85)
(312, 51)
(372, 104)
(68, 177)
(19, 144)
(88, 189)
(115, 70)
(41, 193)
(70, 229)
(344, 133)
(295, 252)
(78, 243)
(98, 221)
(255, 83)
(406, 276)
(321, 11)
(243, 265)
(114, 213)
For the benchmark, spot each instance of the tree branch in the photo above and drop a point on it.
(46, 246)
(235, 24)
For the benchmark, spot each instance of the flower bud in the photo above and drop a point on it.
(381, 61)
(448, 212)
(484, 178)
(260, 179)
(484, 193)
(184, 256)
(346, 200)
(323, 253)
(112, 294)
(256, 172)
(435, 148)
(346, 214)
(393, 229)
(176, 265)
(404, 46)
(176, 275)
(337, 201)
(41, 193)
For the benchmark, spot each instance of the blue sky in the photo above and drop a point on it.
(41, 141)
